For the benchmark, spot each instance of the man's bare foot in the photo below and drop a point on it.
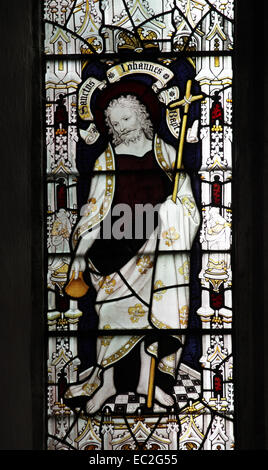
(96, 402)
(162, 397)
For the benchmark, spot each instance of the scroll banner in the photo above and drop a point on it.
(162, 75)
(91, 134)
(172, 115)
(84, 97)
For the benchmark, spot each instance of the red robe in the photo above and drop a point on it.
(139, 180)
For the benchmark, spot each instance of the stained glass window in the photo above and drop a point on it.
(138, 101)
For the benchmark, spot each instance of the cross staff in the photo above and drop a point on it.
(185, 102)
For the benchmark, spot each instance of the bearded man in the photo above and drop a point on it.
(139, 280)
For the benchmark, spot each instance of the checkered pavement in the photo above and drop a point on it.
(188, 387)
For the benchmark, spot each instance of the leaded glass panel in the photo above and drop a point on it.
(138, 106)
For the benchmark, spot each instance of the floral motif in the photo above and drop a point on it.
(144, 263)
(105, 340)
(136, 313)
(170, 236)
(108, 284)
(159, 294)
(183, 315)
(184, 270)
(88, 389)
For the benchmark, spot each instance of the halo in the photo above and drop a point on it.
(126, 87)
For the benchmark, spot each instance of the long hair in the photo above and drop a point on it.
(129, 101)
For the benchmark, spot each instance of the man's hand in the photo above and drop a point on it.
(79, 264)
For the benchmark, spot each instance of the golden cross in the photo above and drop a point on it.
(185, 102)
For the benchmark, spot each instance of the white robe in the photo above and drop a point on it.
(178, 225)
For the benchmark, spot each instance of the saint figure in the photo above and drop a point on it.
(60, 232)
(137, 273)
